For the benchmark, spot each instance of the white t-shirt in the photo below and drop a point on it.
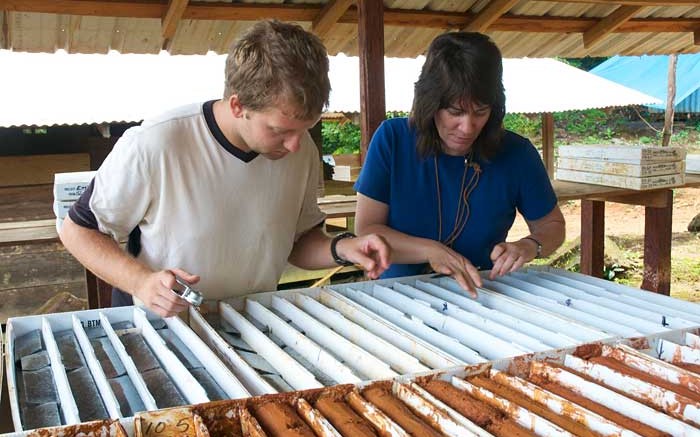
(230, 219)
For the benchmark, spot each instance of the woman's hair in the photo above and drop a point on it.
(460, 68)
(275, 60)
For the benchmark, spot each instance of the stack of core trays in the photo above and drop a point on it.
(635, 168)
(67, 188)
(314, 338)
(645, 386)
(70, 368)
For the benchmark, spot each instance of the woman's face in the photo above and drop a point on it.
(460, 125)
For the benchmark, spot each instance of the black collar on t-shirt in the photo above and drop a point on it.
(208, 109)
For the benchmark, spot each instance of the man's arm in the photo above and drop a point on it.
(102, 255)
(313, 251)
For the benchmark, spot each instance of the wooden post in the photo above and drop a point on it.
(92, 290)
(592, 237)
(548, 142)
(370, 39)
(99, 293)
(657, 246)
(670, 98)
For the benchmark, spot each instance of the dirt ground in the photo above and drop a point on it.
(625, 225)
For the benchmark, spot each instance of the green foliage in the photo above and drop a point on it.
(680, 137)
(613, 271)
(396, 114)
(344, 137)
(339, 138)
(586, 64)
(527, 126)
(582, 123)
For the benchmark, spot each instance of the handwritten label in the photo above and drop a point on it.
(163, 427)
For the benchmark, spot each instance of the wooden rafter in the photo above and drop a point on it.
(308, 12)
(608, 25)
(6, 31)
(487, 16)
(329, 15)
(631, 2)
(169, 22)
(696, 37)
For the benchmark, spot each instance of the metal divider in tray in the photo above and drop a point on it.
(310, 338)
(608, 389)
(68, 368)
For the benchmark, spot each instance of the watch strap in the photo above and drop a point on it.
(334, 242)
(539, 246)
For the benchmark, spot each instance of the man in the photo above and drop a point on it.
(224, 191)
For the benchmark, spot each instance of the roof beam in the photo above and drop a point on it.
(487, 16)
(307, 12)
(169, 22)
(696, 37)
(118, 8)
(631, 2)
(608, 25)
(329, 16)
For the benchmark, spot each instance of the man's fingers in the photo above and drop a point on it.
(188, 277)
(367, 263)
(170, 302)
(382, 252)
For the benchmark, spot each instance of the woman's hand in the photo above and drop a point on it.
(509, 257)
(446, 261)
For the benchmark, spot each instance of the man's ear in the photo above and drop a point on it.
(235, 106)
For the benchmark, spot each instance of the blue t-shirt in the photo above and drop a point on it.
(395, 174)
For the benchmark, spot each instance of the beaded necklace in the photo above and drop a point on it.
(463, 210)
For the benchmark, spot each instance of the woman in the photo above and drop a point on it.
(443, 185)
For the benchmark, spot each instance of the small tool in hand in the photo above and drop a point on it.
(186, 292)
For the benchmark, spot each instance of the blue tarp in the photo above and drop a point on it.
(649, 74)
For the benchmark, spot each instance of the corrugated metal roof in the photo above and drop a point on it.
(534, 28)
(55, 89)
(649, 74)
(532, 86)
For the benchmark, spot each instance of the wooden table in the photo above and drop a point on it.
(658, 214)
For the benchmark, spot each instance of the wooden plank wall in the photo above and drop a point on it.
(43, 277)
(33, 276)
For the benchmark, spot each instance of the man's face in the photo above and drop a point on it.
(273, 132)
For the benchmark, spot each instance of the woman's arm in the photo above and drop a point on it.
(549, 231)
(371, 217)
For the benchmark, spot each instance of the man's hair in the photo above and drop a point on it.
(274, 60)
(460, 67)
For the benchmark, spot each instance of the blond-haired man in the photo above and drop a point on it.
(222, 194)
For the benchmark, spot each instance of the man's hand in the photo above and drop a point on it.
(157, 295)
(448, 262)
(509, 257)
(370, 251)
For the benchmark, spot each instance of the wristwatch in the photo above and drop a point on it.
(334, 242)
(539, 246)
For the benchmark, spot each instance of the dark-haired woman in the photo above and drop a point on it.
(443, 185)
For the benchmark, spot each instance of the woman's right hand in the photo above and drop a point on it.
(157, 295)
(446, 261)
